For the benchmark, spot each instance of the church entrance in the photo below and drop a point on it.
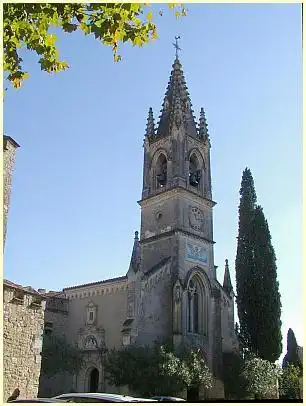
(93, 380)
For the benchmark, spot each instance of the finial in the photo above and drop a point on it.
(136, 235)
(226, 262)
(150, 130)
(176, 46)
(203, 132)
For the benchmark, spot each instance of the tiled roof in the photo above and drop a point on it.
(27, 289)
(118, 279)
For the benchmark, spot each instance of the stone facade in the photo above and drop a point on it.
(23, 321)
(9, 156)
(170, 290)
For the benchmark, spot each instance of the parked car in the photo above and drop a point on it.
(98, 398)
(168, 399)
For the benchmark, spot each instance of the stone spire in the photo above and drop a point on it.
(150, 130)
(135, 259)
(203, 131)
(227, 284)
(176, 99)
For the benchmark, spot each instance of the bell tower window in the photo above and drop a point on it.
(194, 171)
(161, 171)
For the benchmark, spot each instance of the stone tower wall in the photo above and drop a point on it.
(9, 156)
(23, 321)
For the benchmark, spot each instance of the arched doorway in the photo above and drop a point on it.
(93, 380)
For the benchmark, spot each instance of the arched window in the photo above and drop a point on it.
(194, 171)
(161, 171)
(197, 307)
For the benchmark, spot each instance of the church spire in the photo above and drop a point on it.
(150, 130)
(227, 284)
(176, 98)
(135, 259)
(203, 131)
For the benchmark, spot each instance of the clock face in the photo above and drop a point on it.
(196, 218)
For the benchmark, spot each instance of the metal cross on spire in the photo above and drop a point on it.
(176, 46)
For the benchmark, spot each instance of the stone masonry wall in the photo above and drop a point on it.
(23, 321)
(9, 154)
(56, 320)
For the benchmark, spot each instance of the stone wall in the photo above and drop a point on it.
(56, 320)
(9, 154)
(23, 320)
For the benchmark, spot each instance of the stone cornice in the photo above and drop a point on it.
(173, 192)
(172, 232)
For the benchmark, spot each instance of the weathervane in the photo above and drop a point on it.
(176, 46)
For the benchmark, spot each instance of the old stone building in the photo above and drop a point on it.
(23, 323)
(170, 289)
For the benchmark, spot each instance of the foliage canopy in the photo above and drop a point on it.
(28, 25)
(150, 371)
(59, 356)
(261, 376)
(289, 383)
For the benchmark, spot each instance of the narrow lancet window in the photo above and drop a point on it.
(161, 171)
(194, 171)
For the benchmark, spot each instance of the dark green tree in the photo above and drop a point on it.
(59, 356)
(234, 382)
(155, 370)
(292, 356)
(245, 260)
(290, 382)
(266, 326)
(258, 298)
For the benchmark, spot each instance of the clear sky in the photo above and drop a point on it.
(78, 173)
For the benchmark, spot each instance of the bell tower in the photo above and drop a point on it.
(179, 296)
(176, 195)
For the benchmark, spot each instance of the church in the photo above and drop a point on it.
(170, 290)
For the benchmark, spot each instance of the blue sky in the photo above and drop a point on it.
(78, 172)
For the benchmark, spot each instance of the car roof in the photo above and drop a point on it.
(169, 398)
(143, 400)
(37, 400)
(106, 396)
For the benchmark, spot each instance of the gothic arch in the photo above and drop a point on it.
(197, 270)
(198, 293)
(92, 378)
(199, 156)
(159, 169)
(196, 168)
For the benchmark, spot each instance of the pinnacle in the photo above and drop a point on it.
(135, 258)
(203, 131)
(227, 283)
(150, 130)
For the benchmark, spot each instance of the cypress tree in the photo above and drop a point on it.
(266, 330)
(292, 356)
(244, 258)
(258, 298)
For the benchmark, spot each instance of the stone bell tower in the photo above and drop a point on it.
(176, 197)
(179, 295)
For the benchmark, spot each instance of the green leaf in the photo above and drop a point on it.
(150, 16)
